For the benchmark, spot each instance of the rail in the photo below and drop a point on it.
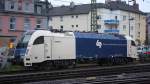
(73, 73)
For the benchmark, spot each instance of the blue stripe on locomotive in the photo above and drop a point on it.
(19, 52)
(108, 46)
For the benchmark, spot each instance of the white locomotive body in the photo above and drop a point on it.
(45, 48)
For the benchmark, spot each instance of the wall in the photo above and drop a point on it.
(19, 29)
(22, 4)
(69, 20)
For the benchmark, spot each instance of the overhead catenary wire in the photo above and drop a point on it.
(147, 1)
(65, 1)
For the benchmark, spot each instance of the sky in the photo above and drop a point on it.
(144, 5)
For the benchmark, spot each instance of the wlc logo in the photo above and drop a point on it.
(99, 44)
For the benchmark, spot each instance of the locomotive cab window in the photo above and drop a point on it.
(39, 40)
(133, 43)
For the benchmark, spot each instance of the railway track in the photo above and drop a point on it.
(31, 71)
(136, 78)
(132, 78)
(76, 73)
(79, 66)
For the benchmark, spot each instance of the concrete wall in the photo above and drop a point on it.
(71, 22)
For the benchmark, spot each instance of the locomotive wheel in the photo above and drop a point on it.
(28, 68)
(72, 64)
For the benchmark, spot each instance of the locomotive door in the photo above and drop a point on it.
(48, 48)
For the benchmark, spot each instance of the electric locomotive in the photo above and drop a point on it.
(45, 48)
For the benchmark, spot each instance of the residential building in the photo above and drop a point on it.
(148, 28)
(113, 17)
(18, 16)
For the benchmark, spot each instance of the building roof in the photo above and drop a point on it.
(99, 36)
(66, 10)
(85, 8)
(37, 2)
(22, 13)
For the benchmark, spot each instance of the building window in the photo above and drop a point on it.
(20, 4)
(39, 9)
(116, 17)
(61, 27)
(124, 18)
(132, 36)
(77, 26)
(12, 4)
(1, 23)
(132, 28)
(27, 5)
(27, 24)
(72, 26)
(72, 16)
(124, 27)
(12, 23)
(99, 17)
(139, 34)
(39, 22)
(139, 25)
(76, 16)
(61, 18)
(98, 26)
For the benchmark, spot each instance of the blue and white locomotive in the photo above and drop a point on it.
(46, 48)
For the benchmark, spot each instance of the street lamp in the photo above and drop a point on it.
(129, 14)
(130, 19)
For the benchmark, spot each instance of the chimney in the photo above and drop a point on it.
(134, 2)
(72, 5)
(47, 6)
(135, 5)
(107, 1)
(50, 6)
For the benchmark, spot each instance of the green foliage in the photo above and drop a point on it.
(10, 68)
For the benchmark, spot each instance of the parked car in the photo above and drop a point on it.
(1, 60)
(142, 49)
(147, 53)
(139, 50)
(144, 53)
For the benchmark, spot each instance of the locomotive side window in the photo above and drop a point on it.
(133, 43)
(39, 40)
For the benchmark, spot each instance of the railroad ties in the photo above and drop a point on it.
(88, 73)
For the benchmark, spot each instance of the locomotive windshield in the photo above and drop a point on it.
(22, 45)
(24, 41)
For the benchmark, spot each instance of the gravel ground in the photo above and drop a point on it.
(90, 80)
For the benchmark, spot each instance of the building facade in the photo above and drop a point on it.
(18, 16)
(113, 17)
(148, 28)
